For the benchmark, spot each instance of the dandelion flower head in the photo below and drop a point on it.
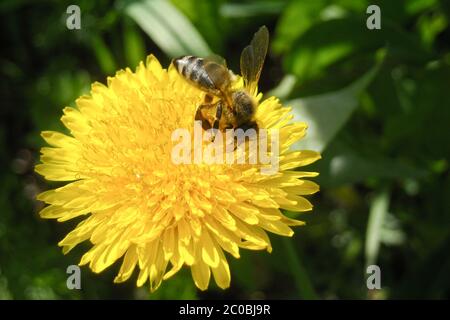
(133, 204)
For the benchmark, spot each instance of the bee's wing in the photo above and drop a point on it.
(252, 59)
(217, 59)
(216, 68)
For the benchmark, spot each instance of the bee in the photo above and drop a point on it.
(232, 109)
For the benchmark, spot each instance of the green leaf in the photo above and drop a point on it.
(343, 164)
(415, 6)
(431, 26)
(325, 114)
(167, 27)
(378, 212)
(423, 115)
(297, 17)
(316, 50)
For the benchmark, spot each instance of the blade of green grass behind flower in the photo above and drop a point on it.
(378, 212)
(103, 54)
(167, 27)
(134, 46)
(205, 16)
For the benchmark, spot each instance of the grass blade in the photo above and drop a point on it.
(378, 212)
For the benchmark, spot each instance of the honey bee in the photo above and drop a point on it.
(233, 109)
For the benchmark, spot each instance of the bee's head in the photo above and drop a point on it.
(243, 105)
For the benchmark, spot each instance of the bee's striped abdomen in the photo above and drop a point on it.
(193, 69)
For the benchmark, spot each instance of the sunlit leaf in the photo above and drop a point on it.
(327, 113)
(167, 27)
(244, 10)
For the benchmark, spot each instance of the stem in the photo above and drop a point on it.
(302, 281)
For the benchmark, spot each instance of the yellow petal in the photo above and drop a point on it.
(221, 273)
(142, 278)
(245, 212)
(253, 234)
(186, 251)
(129, 263)
(306, 188)
(209, 252)
(57, 172)
(75, 122)
(277, 227)
(169, 243)
(201, 273)
(57, 139)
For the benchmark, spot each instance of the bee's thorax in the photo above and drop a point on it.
(244, 106)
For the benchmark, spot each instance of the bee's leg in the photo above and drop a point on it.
(203, 112)
(217, 118)
(218, 115)
(199, 116)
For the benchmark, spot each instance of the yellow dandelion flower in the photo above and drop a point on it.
(157, 215)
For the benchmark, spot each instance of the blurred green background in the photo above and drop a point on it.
(378, 105)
